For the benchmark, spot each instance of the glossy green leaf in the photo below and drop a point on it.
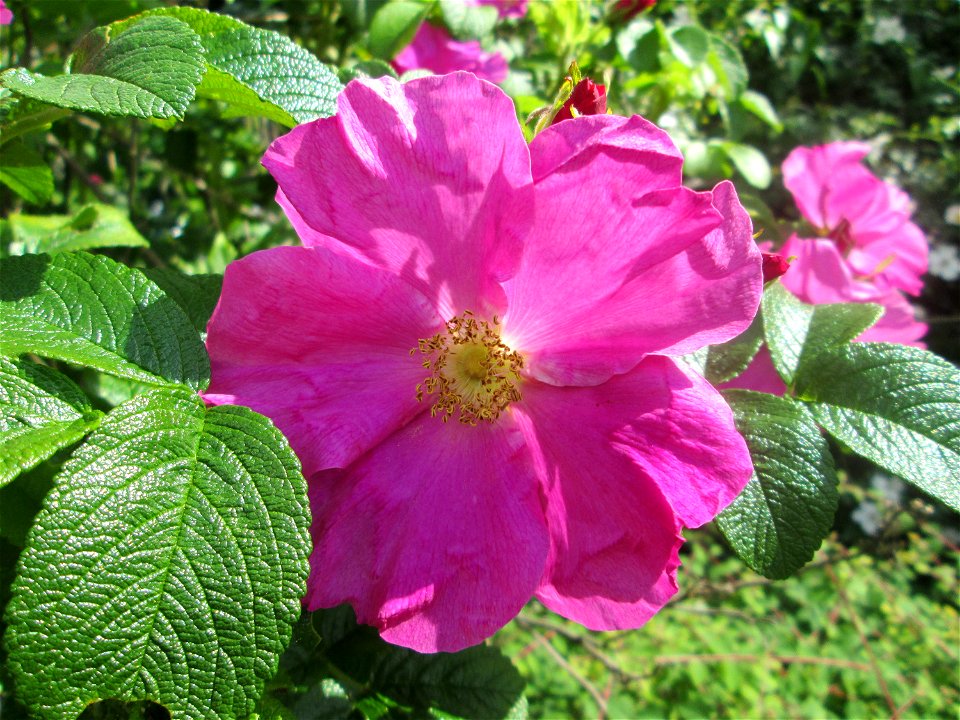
(258, 72)
(895, 405)
(478, 682)
(197, 295)
(394, 26)
(167, 563)
(92, 226)
(795, 332)
(727, 360)
(41, 411)
(88, 310)
(149, 69)
(779, 520)
(25, 172)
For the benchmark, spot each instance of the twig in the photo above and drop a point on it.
(749, 658)
(583, 641)
(76, 167)
(895, 713)
(582, 681)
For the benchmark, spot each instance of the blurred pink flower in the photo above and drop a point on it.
(433, 49)
(534, 296)
(6, 16)
(867, 218)
(506, 8)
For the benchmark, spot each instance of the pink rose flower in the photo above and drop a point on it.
(473, 357)
(506, 8)
(867, 218)
(587, 98)
(820, 275)
(433, 49)
(6, 16)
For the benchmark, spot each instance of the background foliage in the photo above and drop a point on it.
(869, 628)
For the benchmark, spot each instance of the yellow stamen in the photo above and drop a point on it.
(473, 375)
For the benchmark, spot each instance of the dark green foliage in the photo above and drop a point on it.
(184, 569)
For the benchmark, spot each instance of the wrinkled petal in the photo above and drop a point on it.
(894, 261)
(622, 464)
(608, 277)
(397, 176)
(319, 344)
(436, 537)
(898, 324)
(433, 49)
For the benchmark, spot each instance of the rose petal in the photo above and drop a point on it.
(606, 278)
(397, 175)
(437, 536)
(615, 457)
(319, 344)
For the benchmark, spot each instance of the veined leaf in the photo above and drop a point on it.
(197, 295)
(255, 71)
(149, 69)
(478, 682)
(88, 310)
(167, 563)
(795, 331)
(727, 360)
(93, 226)
(41, 411)
(895, 405)
(779, 520)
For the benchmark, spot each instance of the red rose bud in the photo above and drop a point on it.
(628, 9)
(587, 98)
(773, 266)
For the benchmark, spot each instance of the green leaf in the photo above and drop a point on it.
(41, 411)
(93, 226)
(24, 171)
(761, 107)
(896, 405)
(726, 62)
(258, 72)
(779, 520)
(468, 22)
(475, 683)
(167, 563)
(197, 295)
(150, 69)
(368, 68)
(689, 44)
(795, 331)
(726, 361)
(88, 310)
(750, 162)
(394, 26)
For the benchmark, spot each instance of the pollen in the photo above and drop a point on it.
(473, 375)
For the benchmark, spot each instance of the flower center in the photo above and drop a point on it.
(472, 373)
